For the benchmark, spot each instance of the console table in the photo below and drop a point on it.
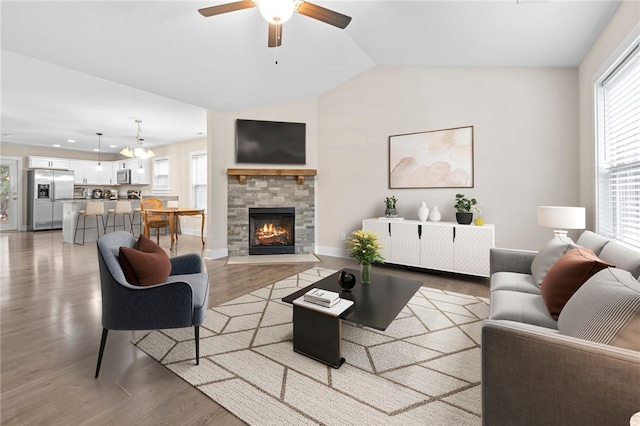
(443, 246)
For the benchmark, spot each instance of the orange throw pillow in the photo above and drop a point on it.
(145, 264)
(566, 276)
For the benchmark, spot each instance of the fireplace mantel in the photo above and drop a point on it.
(299, 173)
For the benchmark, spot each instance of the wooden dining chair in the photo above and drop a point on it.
(152, 220)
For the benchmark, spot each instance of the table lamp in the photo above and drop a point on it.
(561, 218)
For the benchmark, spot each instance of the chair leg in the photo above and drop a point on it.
(103, 342)
(103, 225)
(197, 332)
(84, 227)
(76, 231)
(130, 223)
(107, 224)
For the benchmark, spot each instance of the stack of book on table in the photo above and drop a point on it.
(322, 297)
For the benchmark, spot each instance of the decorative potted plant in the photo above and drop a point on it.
(391, 206)
(463, 206)
(364, 247)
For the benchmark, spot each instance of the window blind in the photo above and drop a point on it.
(199, 181)
(619, 152)
(161, 174)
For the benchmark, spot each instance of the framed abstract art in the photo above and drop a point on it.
(434, 159)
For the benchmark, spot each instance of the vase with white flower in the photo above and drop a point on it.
(364, 246)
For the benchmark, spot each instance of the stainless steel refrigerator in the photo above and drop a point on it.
(47, 190)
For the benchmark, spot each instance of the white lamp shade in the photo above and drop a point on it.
(561, 217)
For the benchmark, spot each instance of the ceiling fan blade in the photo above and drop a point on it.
(275, 35)
(224, 8)
(325, 15)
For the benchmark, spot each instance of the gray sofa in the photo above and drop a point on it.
(584, 368)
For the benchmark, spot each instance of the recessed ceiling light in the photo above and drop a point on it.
(7, 135)
(71, 140)
(95, 150)
(112, 146)
(55, 145)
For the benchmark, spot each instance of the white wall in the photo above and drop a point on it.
(526, 142)
(180, 173)
(623, 28)
(533, 141)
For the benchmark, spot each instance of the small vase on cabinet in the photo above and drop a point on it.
(435, 215)
(423, 212)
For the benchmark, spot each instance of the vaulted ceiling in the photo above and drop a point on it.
(73, 68)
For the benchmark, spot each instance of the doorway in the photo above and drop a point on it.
(9, 194)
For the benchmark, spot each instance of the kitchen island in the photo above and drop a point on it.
(71, 208)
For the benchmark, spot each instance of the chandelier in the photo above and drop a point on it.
(137, 150)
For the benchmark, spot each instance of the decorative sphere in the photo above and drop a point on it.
(346, 280)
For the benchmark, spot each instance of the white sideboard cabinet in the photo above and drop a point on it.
(444, 246)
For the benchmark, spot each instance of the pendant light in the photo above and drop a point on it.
(137, 150)
(99, 168)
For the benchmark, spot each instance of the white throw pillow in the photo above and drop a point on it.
(606, 309)
(547, 256)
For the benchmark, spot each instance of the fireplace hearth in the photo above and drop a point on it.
(272, 230)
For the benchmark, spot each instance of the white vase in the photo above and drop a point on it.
(423, 212)
(435, 214)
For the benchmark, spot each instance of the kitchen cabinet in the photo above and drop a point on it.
(35, 162)
(140, 171)
(86, 172)
(444, 246)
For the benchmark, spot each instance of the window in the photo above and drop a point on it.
(618, 155)
(199, 180)
(161, 168)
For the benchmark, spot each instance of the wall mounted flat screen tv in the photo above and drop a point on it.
(270, 142)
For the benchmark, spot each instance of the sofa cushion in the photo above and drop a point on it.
(521, 307)
(606, 309)
(569, 272)
(548, 255)
(145, 264)
(622, 257)
(513, 281)
(592, 241)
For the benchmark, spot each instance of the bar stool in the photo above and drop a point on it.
(174, 204)
(123, 208)
(93, 208)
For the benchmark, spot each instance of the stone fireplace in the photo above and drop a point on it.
(260, 189)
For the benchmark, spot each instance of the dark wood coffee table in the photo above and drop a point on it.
(318, 334)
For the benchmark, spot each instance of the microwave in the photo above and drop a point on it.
(124, 176)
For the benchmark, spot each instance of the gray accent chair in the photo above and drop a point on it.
(180, 302)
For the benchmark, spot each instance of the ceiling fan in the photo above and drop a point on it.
(277, 12)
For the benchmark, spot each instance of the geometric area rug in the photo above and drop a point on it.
(423, 369)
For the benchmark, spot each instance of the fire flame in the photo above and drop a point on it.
(268, 234)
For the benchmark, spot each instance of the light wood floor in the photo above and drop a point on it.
(51, 326)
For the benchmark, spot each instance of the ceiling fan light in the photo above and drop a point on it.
(277, 11)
